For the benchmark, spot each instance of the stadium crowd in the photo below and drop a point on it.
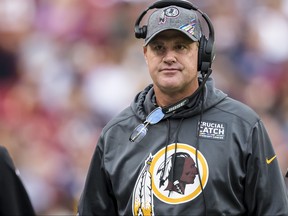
(68, 66)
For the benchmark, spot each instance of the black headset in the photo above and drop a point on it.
(206, 53)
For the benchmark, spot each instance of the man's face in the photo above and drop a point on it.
(172, 62)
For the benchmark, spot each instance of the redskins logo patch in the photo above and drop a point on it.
(171, 12)
(172, 176)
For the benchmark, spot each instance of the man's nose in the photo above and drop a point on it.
(170, 57)
(195, 171)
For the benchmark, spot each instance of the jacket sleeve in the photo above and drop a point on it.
(97, 197)
(14, 199)
(265, 191)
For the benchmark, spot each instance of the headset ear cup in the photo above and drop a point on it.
(205, 54)
(144, 31)
(202, 45)
(138, 33)
(141, 32)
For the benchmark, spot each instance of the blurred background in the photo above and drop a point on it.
(68, 66)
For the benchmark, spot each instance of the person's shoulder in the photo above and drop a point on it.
(124, 115)
(3, 150)
(5, 159)
(3, 154)
(238, 109)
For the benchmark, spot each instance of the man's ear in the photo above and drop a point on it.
(145, 53)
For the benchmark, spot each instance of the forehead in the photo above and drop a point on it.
(171, 35)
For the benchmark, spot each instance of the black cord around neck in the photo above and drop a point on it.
(197, 149)
(177, 106)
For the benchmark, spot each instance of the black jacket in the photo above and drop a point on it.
(14, 200)
(238, 172)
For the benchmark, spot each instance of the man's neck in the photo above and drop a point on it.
(168, 99)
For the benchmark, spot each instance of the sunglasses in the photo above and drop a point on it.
(141, 130)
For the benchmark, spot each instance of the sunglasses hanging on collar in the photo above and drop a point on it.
(141, 130)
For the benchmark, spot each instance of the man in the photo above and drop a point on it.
(14, 200)
(136, 168)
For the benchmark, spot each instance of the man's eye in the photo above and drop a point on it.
(158, 48)
(180, 47)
